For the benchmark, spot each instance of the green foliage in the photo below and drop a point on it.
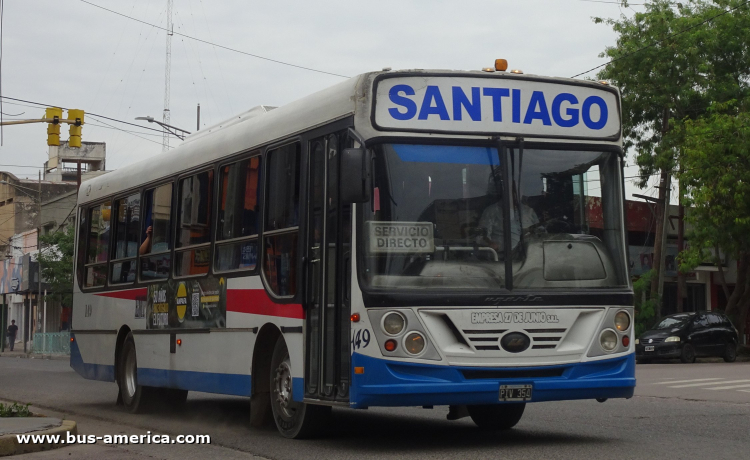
(645, 310)
(57, 264)
(14, 410)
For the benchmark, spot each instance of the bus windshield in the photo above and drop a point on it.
(443, 216)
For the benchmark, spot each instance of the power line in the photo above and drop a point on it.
(663, 39)
(216, 44)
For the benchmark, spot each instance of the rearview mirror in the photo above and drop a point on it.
(356, 171)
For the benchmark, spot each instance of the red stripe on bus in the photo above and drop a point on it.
(256, 301)
(128, 294)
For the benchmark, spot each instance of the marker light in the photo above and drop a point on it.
(626, 341)
(179, 342)
(71, 340)
(390, 345)
(604, 82)
(516, 71)
(393, 323)
(355, 317)
(414, 343)
(501, 65)
(359, 370)
(622, 321)
(487, 69)
(608, 340)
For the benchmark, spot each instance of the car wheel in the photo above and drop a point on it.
(134, 396)
(496, 416)
(688, 354)
(295, 420)
(730, 353)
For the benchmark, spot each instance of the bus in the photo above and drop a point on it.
(403, 238)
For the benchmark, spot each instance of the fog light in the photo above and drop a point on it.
(608, 340)
(390, 345)
(393, 323)
(414, 343)
(622, 321)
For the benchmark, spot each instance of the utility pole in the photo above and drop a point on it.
(39, 252)
(657, 285)
(167, 71)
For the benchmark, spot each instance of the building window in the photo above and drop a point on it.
(155, 246)
(238, 216)
(282, 219)
(193, 245)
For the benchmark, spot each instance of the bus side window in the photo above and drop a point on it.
(193, 241)
(125, 244)
(82, 232)
(95, 274)
(238, 216)
(282, 219)
(155, 242)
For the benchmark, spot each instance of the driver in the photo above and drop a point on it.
(492, 218)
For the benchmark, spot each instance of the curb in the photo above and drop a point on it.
(60, 357)
(9, 443)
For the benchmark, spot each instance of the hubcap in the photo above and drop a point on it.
(282, 388)
(131, 370)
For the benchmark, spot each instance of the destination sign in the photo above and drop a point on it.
(408, 237)
(496, 105)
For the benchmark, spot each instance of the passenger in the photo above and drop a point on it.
(146, 245)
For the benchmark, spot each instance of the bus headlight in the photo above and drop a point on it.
(622, 321)
(414, 343)
(608, 340)
(393, 323)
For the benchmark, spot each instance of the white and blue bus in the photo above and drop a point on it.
(404, 238)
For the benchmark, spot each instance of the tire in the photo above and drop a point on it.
(133, 396)
(688, 354)
(295, 420)
(730, 353)
(497, 416)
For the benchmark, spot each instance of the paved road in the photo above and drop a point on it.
(660, 422)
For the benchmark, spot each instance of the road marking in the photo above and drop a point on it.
(709, 383)
(684, 381)
(731, 387)
(746, 391)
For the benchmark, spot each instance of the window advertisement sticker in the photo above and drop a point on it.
(402, 237)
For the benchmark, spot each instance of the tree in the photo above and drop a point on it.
(57, 264)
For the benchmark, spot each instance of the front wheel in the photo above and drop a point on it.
(730, 353)
(688, 354)
(295, 420)
(497, 416)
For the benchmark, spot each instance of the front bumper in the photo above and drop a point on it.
(660, 350)
(395, 383)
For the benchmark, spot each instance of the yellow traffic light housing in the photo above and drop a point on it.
(53, 128)
(75, 118)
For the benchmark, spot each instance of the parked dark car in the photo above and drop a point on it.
(687, 335)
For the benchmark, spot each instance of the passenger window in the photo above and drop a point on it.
(81, 239)
(127, 221)
(98, 245)
(155, 242)
(239, 215)
(194, 225)
(282, 219)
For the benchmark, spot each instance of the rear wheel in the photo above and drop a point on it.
(294, 419)
(497, 416)
(133, 396)
(730, 353)
(688, 354)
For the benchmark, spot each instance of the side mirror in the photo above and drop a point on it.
(356, 175)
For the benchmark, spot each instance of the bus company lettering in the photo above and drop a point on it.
(401, 237)
(510, 317)
(564, 109)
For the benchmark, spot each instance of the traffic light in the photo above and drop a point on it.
(53, 128)
(75, 117)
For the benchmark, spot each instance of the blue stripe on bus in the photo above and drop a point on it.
(209, 382)
(394, 383)
(447, 154)
(89, 371)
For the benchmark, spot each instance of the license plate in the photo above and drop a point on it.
(649, 348)
(515, 392)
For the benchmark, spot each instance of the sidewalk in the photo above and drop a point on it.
(12, 426)
(28, 355)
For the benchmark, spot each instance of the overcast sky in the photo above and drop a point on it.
(72, 54)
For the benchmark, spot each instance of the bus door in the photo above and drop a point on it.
(328, 266)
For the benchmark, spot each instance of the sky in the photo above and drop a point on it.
(73, 54)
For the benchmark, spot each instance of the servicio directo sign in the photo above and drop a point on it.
(496, 106)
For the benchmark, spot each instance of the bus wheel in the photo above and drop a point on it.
(294, 419)
(133, 395)
(497, 416)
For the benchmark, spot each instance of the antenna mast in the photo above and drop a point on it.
(167, 72)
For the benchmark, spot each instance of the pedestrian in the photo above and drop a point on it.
(12, 331)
